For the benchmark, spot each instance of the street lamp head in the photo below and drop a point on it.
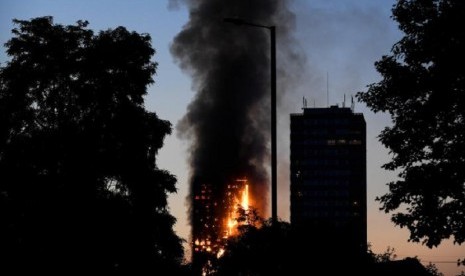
(240, 22)
(236, 21)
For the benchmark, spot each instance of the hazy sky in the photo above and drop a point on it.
(340, 38)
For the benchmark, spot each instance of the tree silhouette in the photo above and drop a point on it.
(266, 248)
(258, 251)
(387, 256)
(423, 89)
(433, 270)
(79, 187)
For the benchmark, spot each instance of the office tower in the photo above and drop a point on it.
(328, 173)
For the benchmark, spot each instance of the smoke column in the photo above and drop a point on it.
(228, 121)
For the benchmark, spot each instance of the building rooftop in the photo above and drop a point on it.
(334, 109)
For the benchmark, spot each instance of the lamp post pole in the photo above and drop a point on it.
(274, 174)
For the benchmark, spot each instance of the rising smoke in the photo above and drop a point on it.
(228, 121)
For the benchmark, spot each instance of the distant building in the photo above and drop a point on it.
(328, 173)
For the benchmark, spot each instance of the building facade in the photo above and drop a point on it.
(214, 219)
(328, 173)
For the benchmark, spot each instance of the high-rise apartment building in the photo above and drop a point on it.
(214, 213)
(328, 172)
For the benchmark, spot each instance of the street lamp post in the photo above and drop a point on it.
(274, 177)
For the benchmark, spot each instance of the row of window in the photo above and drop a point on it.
(324, 193)
(325, 131)
(326, 161)
(324, 151)
(327, 214)
(323, 182)
(327, 142)
(327, 173)
(325, 203)
(327, 122)
(333, 142)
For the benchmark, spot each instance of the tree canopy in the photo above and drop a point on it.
(423, 89)
(79, 185)
(266, 248)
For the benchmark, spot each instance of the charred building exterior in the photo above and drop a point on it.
(214, 219)
(328, 173)
(205, 222)
(205, 219)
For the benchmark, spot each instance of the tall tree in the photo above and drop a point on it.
(423, 89)
(79, 185)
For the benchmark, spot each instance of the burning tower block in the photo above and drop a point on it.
(214, 217)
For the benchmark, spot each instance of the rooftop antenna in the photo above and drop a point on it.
(304, 102)
(352, 105)
(327, 89)
(344, 102)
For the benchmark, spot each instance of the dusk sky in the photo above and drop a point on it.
(341, 40)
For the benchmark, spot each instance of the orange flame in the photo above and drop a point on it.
(237, 197)
(245, 198)
(241, 199)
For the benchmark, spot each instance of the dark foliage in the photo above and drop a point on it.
(79, 187)
(258, 251)
(423, 89)
(279, 249)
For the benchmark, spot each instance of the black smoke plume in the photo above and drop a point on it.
(228, 121)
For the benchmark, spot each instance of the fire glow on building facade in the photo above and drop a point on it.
(215, 217)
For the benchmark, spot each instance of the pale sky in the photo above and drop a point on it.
(341, 39)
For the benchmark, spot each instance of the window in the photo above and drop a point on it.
(355, 142)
